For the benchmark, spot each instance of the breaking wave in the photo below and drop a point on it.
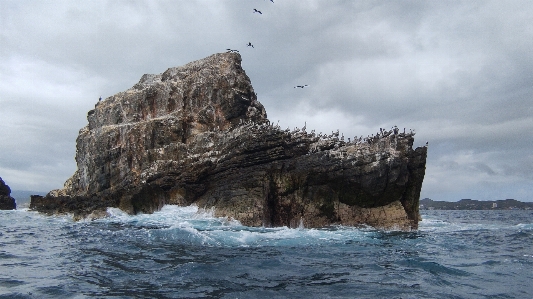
(186, 252)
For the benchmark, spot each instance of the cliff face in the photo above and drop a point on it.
(6, 201)
(197, 134)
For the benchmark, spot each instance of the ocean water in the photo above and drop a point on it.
(181, 253)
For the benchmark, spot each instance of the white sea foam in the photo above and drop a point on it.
(525, 226)
(186, 248)
(428, 224)
(201, 226)
(116, 212)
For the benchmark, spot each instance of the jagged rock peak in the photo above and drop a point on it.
(209, 93)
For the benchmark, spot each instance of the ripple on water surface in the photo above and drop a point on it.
(180, 252)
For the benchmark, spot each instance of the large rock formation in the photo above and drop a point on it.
(6, 201)
(197, 134)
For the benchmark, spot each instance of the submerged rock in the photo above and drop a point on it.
(196, 134)
(6, 201)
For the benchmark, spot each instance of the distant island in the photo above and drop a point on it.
(470, 204)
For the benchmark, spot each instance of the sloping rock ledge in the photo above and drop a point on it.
(196, 134)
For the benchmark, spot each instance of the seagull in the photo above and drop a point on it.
(250, 45)
(232, 51)
(301, 86)
(255, 10)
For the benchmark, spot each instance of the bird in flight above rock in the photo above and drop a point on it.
(301, 86)
(258, 11)
(250, 45)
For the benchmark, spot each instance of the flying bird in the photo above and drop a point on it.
(258, 11)
(301, 86)
(250, 45)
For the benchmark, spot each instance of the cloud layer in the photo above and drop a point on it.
(459, 72)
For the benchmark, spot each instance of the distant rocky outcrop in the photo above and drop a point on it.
(6, 201)
(196, 134)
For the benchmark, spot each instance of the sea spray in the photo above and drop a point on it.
(181, 253)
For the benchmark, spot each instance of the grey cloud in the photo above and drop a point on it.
(457, 72)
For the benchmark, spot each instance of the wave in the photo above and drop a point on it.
(188, 252)
(525, 226)
(173, 223)
(193, 225)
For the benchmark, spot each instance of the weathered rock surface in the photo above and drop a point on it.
(196, 134)
(6, 201)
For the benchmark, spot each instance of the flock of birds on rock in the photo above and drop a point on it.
(332, 144)
(335, 138)
(370, 139)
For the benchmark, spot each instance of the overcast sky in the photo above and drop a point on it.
(458, 72)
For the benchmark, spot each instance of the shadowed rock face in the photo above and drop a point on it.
(6, 201)
(197, 134)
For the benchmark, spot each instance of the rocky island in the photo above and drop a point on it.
(6, 201)
(197, 134)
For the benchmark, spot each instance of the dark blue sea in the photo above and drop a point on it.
(180, 253)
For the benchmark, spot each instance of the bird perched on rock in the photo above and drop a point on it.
(232, 51)
(258, 11)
